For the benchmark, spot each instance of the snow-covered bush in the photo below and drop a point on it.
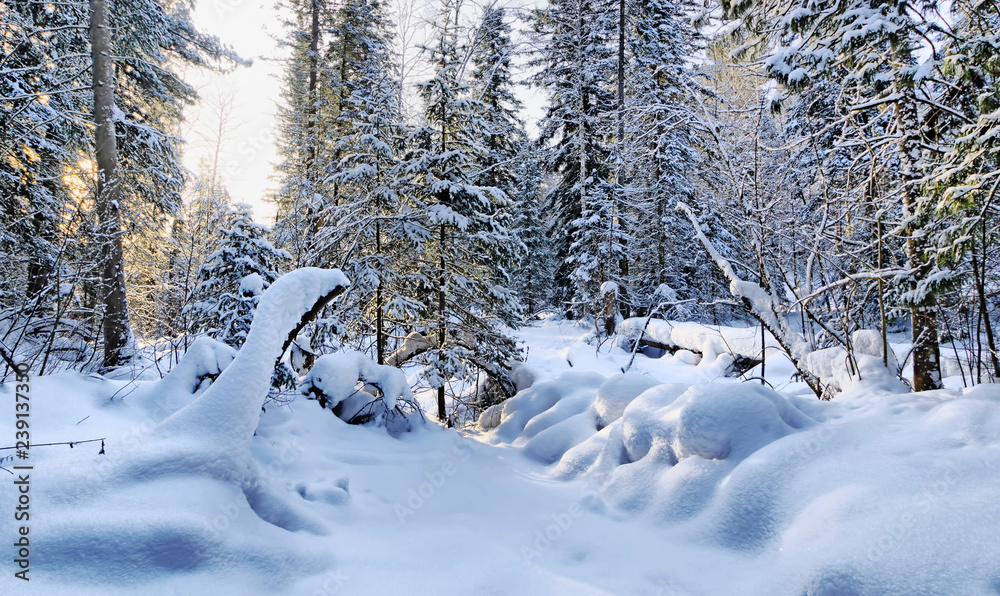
(360, 391)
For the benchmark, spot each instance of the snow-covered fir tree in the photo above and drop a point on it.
(576, 70)
(658, 150)
(367, 226)
(233, 278)
(465, 298)
(532, 276)
(303, 143)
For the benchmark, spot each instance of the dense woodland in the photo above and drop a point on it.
(812, 167)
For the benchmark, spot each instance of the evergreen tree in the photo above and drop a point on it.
(467, 298)
(576, 68)
(303, 143)
(492, 85)
(368, 230)
(54, 110)
(233, 278)
(657, 149)
(535, 266)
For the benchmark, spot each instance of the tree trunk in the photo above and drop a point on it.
(117, 330)
(40, 268)
(926, 354)
(442, 413)
(379, 306)
(313, 79)
(979, 272)
(308, 255)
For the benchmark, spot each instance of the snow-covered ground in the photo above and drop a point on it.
(672, 479)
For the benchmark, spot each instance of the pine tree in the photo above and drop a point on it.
(303, 143)
(468, 300)
(233, 278)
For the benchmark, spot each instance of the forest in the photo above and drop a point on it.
(716, 316)
(813, 168)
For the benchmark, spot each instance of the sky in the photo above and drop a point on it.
(248, 152)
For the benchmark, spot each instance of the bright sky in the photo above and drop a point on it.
(247, 153)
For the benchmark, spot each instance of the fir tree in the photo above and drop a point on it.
(657, 152)
(368, 231)
(234, 277)
(468, 299)
(576, 67)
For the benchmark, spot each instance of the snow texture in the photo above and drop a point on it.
(337, 376)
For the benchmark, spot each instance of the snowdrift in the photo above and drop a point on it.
(178, 498)
(877, 492)
(670, 479)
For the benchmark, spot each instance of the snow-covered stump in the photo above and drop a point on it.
(225, 417)
(609, 307)
(185, 496)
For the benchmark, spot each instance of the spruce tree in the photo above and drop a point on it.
(367, 229)
(657, 149)
(233, 278)
(468, 301)
(303, 143)
(576, 70)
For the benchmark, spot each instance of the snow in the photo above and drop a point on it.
(662, 480)
(226, 415)
(616, 393)
(707, 340)
(337, 376)
(252, 284)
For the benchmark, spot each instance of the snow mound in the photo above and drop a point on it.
(337, 376)
(360, 391)
(188, 496)
(720, 421)
(226, 415)
(708, 340)
(550, 417)
(641, 422)
(204, 360)
(618, 392)
(865, 372)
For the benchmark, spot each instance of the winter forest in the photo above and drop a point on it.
(715, 317)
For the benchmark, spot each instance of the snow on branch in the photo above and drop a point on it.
(227, 413)
(760, 304)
